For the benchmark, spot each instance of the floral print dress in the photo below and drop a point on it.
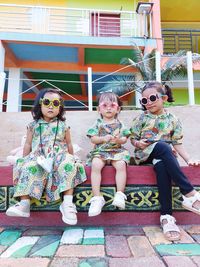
(108, 151)
(165, 127)
(31, 179)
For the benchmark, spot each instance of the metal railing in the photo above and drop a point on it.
(181, 39)
(69, 21)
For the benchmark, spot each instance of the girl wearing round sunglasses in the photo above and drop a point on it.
(153, 134)
(48, 163)
(108, 135)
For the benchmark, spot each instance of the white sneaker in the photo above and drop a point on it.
(119, 200)
(96, 205)
(19, 210)
(68, 211)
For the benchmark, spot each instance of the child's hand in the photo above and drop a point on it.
(143, 143)
(174, 152)
(193, 162)
(107, 138)
(118, 140)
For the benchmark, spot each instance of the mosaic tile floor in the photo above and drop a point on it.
(98, 247)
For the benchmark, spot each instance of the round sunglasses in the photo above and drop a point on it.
(108, 105)
(55, 103)
(152, 98)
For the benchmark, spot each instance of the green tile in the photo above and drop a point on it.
(93, 262)
(179, 249)
(45, 246)
(94, 236)
(8, 237)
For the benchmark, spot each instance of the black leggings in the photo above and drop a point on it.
(168, 170)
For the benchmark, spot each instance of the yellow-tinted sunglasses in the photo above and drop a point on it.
(56, 103)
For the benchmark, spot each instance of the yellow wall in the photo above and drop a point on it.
(180, 11)
(36, 2)
(97, 4)
(101, 4)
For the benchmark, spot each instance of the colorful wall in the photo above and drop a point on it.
(36, 2)
(98, 4)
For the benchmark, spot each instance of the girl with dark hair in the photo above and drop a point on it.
(48, 163)
(153, 133)
(108, 135)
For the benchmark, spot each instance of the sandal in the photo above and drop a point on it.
(188, 203)
(170, 226)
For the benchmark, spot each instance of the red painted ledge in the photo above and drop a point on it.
(135, 175)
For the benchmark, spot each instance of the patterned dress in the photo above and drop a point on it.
(108, 151)
(165, 127)
(31, 179)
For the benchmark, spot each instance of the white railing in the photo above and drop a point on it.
(69, 21)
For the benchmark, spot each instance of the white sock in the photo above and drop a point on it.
(68, 198)
(25, 202)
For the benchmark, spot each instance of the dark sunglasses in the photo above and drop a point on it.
(56, 103)
(152, 98)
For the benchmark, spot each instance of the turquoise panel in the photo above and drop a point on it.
(8, 237)
(44, 52)
(179, 249)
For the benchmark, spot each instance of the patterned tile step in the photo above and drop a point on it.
(139, 198)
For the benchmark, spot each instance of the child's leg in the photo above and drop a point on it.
(120, 178)
(168, 223)
(97, 166)
(164, 152)
(97, 201)
(21, 208)
(164, 188)
(67, 208)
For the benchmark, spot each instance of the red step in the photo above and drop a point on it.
(136, 175)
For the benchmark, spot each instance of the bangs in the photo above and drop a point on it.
(108, 97)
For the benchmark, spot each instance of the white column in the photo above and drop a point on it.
(14, 98)
(158, 68)
(137, 99)
(2, 74)
(90, 88)
(190, 78)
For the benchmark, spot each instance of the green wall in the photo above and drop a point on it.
(100, 4)
(181, 96)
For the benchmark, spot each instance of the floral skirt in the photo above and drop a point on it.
(31, 179)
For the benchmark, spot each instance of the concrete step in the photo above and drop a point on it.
(142, 205)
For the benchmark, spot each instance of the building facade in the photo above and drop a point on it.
(77, 46)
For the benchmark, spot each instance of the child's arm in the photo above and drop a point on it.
(28, 142)
(182, 152)
(120, 140)
(101, 139)
(69, 142)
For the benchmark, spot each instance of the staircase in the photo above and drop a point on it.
(142, 205)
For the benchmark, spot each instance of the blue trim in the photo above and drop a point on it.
(35, 52)
(112, 41)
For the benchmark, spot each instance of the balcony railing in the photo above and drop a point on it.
(181, 39)
(69, 21)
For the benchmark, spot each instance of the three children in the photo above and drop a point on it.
(153, 133)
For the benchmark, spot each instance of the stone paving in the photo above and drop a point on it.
(117, 246)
